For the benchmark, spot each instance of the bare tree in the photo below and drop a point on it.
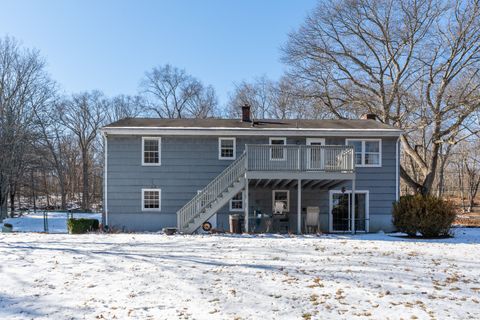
(24, 88)
(52, 137)
(124, 106)
(287, 102)
(83, 115)
(415, 64)
(270, 99)
(468, 157)
(256, 94)
(170, 92)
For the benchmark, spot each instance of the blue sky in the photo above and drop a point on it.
(108, 45)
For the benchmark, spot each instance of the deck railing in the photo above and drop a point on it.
(300, 158)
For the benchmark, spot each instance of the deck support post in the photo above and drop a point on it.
(299, 206)
(353, 207)
(245, 203)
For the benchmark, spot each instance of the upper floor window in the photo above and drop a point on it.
(151, 148)
(226, 148)
(368, 152)
(151, 199)
(276, 151)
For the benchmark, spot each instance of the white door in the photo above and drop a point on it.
(315, 155)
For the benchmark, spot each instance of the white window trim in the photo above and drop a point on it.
(363, 153)
(159, 200)
(159, 139)
(243, 203)
(288, 199)
(313, 140)
(220, 148)
(284, 139)
(367, 209)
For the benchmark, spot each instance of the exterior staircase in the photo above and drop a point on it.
(213, 197)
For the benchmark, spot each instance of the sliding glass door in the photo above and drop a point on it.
(341, 211)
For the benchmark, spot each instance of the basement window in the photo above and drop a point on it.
(236, 203)
(281, 197)
(151, 199)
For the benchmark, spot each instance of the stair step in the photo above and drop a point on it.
(207, 209)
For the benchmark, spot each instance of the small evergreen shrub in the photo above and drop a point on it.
(428, 215)
(77, 226)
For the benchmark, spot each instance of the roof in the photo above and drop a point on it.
(188, 126)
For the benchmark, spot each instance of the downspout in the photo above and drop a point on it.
(105, 177)
(397, 169)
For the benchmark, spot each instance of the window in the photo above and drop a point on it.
(151, 151)
(281, 196)
(368, 152)
(151, 199)
(236, 203)
(226, 148)
(277, 152)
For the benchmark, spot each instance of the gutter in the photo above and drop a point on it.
(105, 177)
(186, 131)
(397, 169)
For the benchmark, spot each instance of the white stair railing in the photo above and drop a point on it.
(211, 192)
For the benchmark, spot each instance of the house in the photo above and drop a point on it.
(182, 172)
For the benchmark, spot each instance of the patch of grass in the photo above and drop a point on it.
(317, 283)
(307, 316)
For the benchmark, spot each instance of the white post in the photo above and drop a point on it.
(353, 206)
(245, 203)
(298, 159)
(299, 207)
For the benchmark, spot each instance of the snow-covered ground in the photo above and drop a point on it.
(153, 276)
(57, 221)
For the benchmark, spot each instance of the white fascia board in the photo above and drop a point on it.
(174, 131)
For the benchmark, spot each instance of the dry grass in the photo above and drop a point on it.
(467, 219)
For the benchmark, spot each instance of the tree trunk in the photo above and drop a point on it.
(471, 203)
(460, 184)
(34, 197)
(3, 205)
(63, 194)
(441, 174)
(45, 185)
(12, 202)
(85, 191)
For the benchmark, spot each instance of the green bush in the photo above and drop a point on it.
(428, 215)
(76, 226)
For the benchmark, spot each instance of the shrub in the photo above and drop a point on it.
(76, 226)
(428, 215)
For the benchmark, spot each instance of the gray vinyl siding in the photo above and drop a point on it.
(188, 163)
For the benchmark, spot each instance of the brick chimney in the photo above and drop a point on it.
(246, 113)
(369, 116)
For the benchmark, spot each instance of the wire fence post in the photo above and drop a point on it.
(45, 221)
